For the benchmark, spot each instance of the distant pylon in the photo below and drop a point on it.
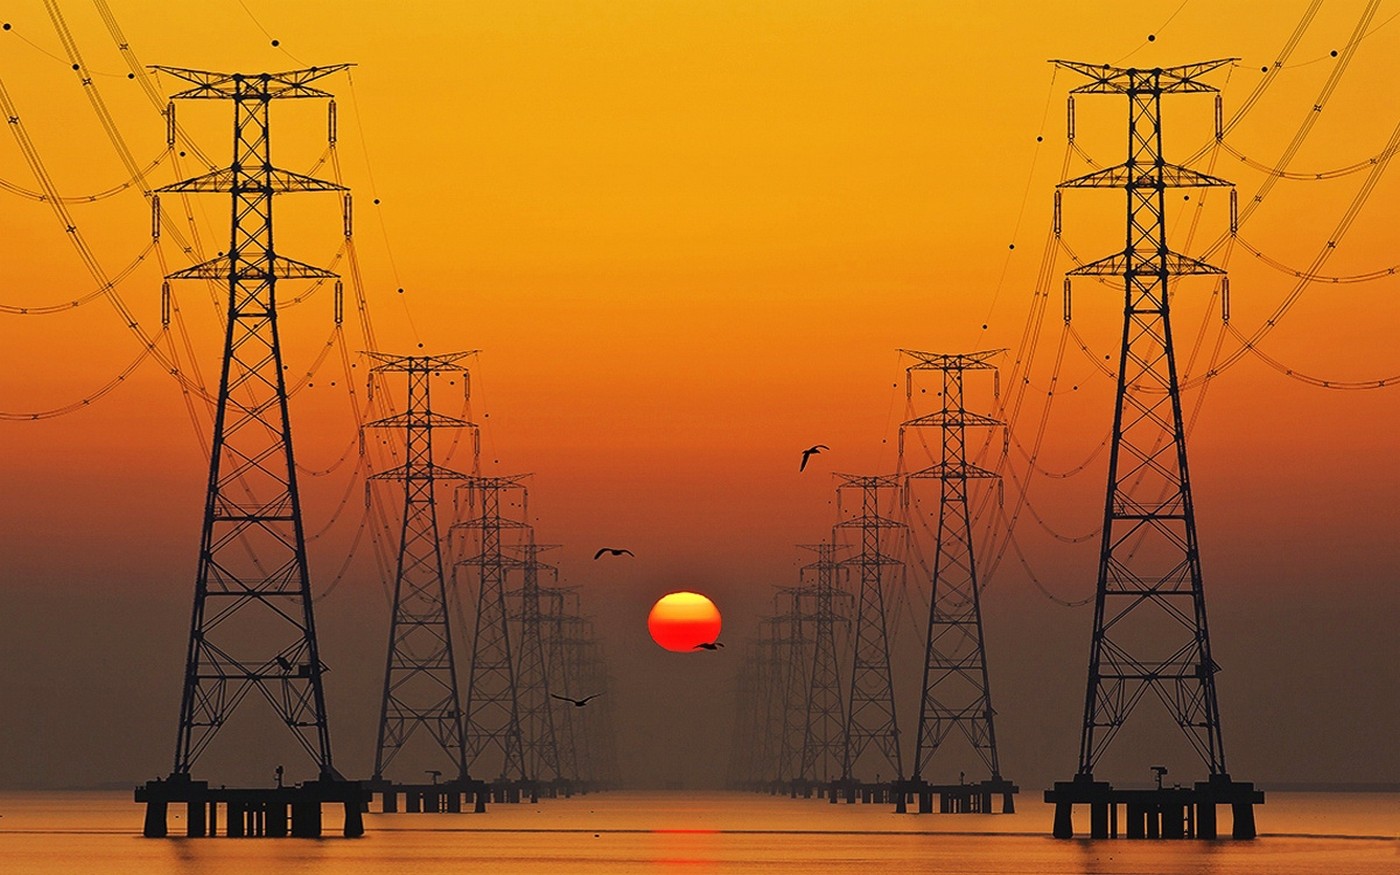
(555, 622)
(770, 661)
(956, 691)
(252, 627)
(824, 728)
(573, 645)
(1149, 611)
(870, 715)
(746, 728)
(599, 730)
(492, 707)
(420, 673)
(796, 662)
(537, 708)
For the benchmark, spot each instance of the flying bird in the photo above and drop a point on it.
(710, 645)
(614, 551)
(809, 453)
(578, 703)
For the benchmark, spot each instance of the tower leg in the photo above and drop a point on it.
(1064, 820)
(155, 826)
(194, 819)
(1205, 819)
(354, 820)
(1098, 820)
(1244, 820)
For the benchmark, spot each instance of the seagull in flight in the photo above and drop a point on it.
(809, 453)
(578, 703)
(613, 551)
(709, 645)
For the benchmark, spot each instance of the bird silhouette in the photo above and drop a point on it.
(578, 703)
(282, 663)
(708, 645)
(614, 551)
(809, 453)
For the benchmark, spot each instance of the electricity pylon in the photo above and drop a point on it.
(420, 673)
(957, 694)
(252, 627)
(796, 665)
(492, 707)
(573, 642)
(1149, 610)
(555, 623)
(870, 714)
(537, 730)
(1150, 629)
(823, 737)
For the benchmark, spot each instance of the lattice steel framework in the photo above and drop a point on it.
(556, 625)
(1149, 612)
(537, 730)
(492, 708)
(252, 626)
(956, 691)
(870, 713)
(771, 650)
(824, 726)
(744, 732)
(574, 643)
(420, 672)
(599, 731)
(796, 662)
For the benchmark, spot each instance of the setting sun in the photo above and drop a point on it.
(683, 621)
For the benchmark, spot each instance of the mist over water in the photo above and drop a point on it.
(45, 833)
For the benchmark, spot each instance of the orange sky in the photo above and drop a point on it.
(689, 237)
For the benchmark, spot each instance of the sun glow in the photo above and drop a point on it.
(682, 621)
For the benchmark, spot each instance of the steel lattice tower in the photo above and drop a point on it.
(796, 665)
(772, 644)
(573, 646)
(541, 744)
(599, 732)
(1149, 610)
(252, 626)
(743, 737)
(420, 674)
(558, 668)
(823, 737)
(956, 691)
(870, 714)
(492, 709)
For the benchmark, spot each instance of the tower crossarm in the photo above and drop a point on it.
(867, 481)
(1124, 264)
(1153, 176)
(965, 361)
(419, 471)
(275, 267)
(288, 84)
(952, 419)
(431, 363)
(1107, 79)
(420, 419)
(869, 521)
(273, 180)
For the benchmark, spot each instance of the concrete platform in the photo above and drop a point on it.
(1165, 812)
(272, 812)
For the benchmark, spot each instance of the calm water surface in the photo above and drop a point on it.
(630, 833)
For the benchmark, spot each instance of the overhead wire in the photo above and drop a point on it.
(87, 297)
(100, 195)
